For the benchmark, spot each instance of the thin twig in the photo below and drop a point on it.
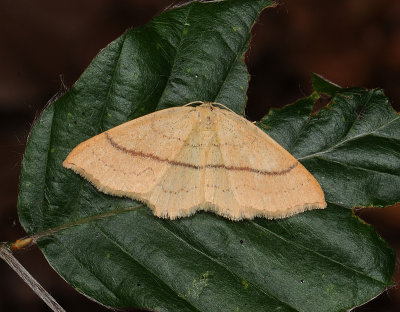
(7, 256)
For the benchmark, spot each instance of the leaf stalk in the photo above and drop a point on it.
(7, 256)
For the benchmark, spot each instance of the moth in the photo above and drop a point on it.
(184, 159)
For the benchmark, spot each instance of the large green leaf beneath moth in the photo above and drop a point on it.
(116, 252)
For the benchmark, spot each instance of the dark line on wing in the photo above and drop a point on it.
(188, 165)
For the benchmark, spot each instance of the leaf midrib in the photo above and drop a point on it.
(177, 50)
(299, 133)
(348, 140)
(123, 250)
(237, 54)
(82, 221)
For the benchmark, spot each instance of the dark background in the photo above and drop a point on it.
(45, 44)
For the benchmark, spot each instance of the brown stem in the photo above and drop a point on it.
(7, 256)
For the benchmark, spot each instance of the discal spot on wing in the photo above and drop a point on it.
(183, 159)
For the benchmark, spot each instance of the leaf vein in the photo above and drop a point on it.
(316, 253)
(177, 50)
(69, 225)
(348, 140)
(233, 64)
(223, 265)
(116, 243)
(79, 262)
(299, 133)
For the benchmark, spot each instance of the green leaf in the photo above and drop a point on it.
(351, 146)
(117, 253)
(321, 85)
